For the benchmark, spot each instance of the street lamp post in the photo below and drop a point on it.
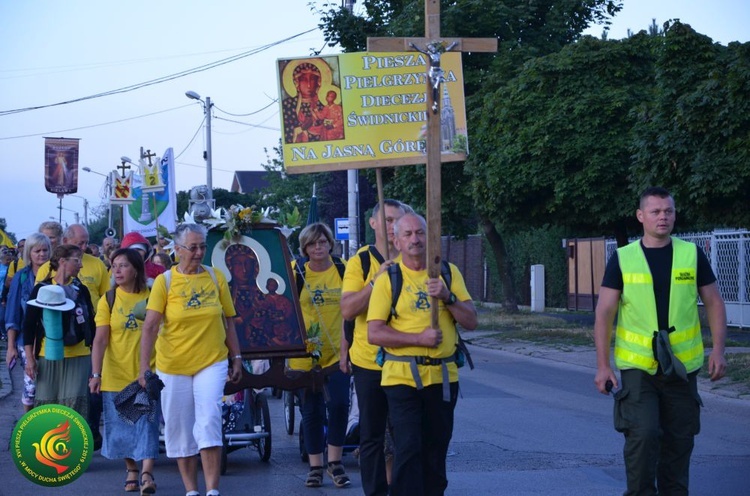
(76, 215)
(109, 194)
(85, 210)
(209, 166)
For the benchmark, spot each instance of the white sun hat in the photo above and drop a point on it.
(52, 297)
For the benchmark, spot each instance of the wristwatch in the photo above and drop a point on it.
(96, 376)
(451, 299)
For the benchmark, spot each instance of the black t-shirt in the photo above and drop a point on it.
(660, 263)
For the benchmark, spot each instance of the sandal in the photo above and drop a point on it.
(147, 486)
(314, 477)
(131, 485)
(338, 474)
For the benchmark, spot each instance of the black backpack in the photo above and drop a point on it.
(78, 323)
(364, 257)
(397, 282)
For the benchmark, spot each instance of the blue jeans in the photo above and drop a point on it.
(313, 408)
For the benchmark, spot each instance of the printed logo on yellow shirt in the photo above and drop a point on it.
(322, 296)
(420, 300)
(131, 324)
(199, 299)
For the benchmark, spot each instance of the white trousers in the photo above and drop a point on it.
(191, 406)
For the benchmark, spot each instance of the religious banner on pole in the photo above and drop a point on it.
(368, 109)
(61, 165)
(153, 208)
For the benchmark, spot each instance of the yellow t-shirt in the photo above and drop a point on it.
(413, 309)
(93, 275)
(12, 269)
(362, 353)
(320, 302)
(122, 357)
(193, 335)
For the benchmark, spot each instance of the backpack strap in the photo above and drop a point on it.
(110, 295)
(447, 275)
(211, 273)
(339, 266)
(413, 361)
(397, 281)
(299, 273)
(300, 270)
(168, 277)
(364, 258)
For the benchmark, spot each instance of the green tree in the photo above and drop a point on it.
(555, 140)
(695, 138)
(524, 30)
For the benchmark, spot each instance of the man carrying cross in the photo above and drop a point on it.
(420, 374)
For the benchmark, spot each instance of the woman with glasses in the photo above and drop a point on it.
(35, 253)
(320, 303)
(61, 381)
(195, 345)
(115, 364)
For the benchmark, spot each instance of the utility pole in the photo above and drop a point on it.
(352, 185)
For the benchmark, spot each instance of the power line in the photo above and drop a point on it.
(191, 139)
(48, 133)
(248, 114)
(159, 80)
(248, 124)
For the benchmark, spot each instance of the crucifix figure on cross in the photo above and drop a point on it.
(435, 73)
(435, 46)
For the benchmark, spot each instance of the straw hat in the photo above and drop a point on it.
(53, 298)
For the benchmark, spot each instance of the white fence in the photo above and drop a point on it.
(729, 253)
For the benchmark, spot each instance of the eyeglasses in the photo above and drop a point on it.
(195, 248)
(320, 242)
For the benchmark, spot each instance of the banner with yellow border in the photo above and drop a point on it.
(366, 109)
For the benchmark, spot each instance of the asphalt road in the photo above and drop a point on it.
(524, 426)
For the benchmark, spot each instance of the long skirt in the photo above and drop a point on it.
(65, 382)
(122, 440)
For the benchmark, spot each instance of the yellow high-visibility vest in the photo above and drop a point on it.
(637, 320)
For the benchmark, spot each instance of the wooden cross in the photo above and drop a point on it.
(433, 45)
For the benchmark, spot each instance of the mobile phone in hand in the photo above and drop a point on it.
(12, 364)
